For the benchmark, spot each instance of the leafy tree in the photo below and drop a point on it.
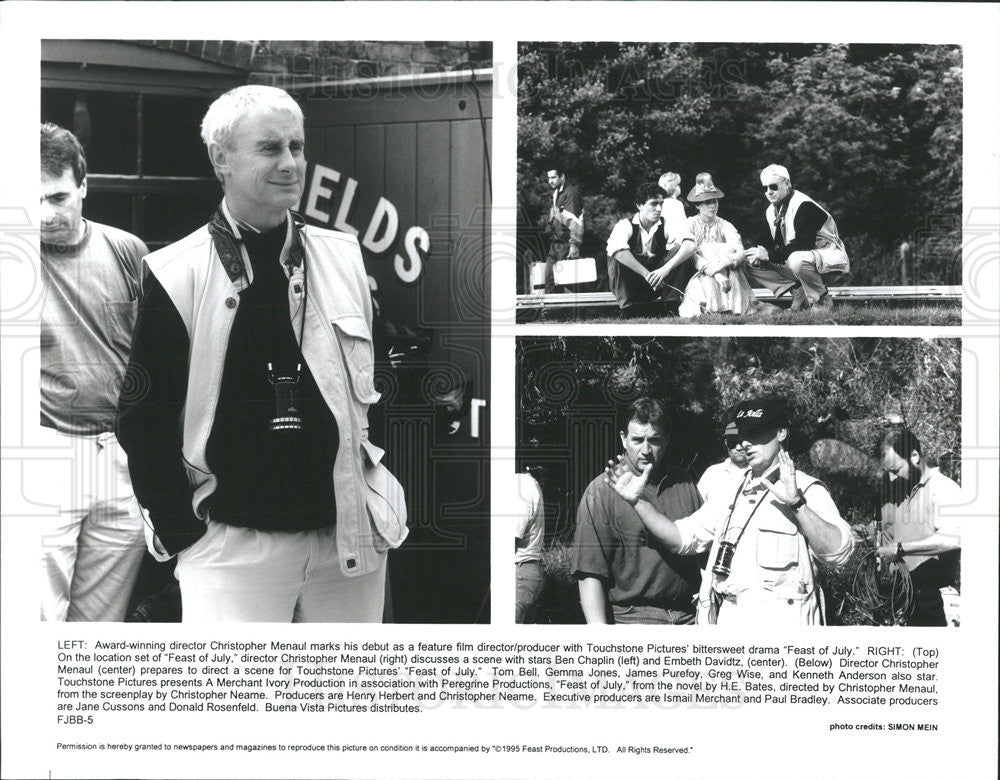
(871, 131)
(838, 390)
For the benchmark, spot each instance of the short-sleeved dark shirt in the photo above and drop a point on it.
(612, 544)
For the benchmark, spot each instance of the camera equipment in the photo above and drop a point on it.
(724, 559)
(286, 399)
(723, 565)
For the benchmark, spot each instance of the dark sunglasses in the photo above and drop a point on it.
(732, 442)
(771, 187)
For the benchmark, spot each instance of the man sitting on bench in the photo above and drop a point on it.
(647, 264)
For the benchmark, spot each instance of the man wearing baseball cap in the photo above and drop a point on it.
(765, 544)
(720, 480)
(801, 249)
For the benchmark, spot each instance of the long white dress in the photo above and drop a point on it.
(715, 238)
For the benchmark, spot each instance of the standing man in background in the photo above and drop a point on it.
(565, 224)
(529, 540)
(722, 480)
(919, 523)
(91, 548)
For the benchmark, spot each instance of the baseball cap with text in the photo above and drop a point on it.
(760, 414)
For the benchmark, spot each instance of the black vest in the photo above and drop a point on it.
(657, 247)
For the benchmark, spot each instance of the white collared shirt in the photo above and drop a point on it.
(622, 232)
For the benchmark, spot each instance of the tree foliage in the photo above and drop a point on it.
(873, 132)
(840, 393)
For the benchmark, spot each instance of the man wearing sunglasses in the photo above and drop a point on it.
(722, 479)
(766, 541)
(802, 250)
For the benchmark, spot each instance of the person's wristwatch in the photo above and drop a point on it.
(797, 505)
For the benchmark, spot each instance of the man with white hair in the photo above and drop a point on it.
(254, 367)
(804, 252)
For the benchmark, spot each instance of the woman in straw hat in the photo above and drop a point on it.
(720, 284)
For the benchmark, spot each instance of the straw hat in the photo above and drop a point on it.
(704, 189)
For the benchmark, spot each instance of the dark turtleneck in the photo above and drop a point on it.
(809, 218)
(269, 480)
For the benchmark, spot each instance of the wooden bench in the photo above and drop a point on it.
(606, 299)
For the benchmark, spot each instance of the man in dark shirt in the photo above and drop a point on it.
(615, 560)
(801, 249)
(248, 446)
(565, 224)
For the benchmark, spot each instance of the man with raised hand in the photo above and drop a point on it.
(766, 543)
(249, 449)
(616, 561)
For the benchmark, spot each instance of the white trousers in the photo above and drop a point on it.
(817, 268)
(235, 574)
(91, 546)
(814, 269)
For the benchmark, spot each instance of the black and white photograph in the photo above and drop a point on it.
(744, 482)
(319, 301)
(739, 183)
(307, 443)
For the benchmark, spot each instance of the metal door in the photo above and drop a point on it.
(405, 166)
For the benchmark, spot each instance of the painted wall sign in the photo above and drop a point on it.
(381, 233)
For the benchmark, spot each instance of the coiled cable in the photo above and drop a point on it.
(881, 591)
